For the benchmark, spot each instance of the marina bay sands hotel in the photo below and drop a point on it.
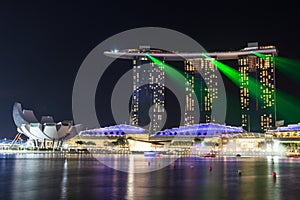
(258, 111)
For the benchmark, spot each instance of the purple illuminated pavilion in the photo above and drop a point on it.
(290, 127)
(199, 130)
(196, 130)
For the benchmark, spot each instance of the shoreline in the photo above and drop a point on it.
(66, 152)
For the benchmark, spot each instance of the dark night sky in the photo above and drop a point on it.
(42, 44)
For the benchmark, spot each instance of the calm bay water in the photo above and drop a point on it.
(55, 176)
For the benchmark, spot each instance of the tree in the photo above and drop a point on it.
(197, 140)
(79, 142)
(122, 141)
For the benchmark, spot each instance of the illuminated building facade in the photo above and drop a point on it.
(201, 79)
(44, 133)
(149, 92)
(257, 90)
(256, 80)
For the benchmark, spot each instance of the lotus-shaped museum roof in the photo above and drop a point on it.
(46, 128)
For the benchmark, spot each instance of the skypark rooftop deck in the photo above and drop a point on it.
(177, 56)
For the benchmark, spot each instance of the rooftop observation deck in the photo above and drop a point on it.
(177, 56)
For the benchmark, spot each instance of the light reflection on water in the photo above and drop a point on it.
(55, 176)
(135, 163)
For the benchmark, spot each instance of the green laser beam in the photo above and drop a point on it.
(174, 74)
(179, 78)
(288, 66)
(260, 55)
(231, 73)
(286, 105)
(255, 88)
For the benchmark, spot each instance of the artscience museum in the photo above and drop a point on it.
(45, 133)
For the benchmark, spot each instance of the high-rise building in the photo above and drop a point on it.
(257, 85)
(257, 89)
(148, 92)
(201, 79)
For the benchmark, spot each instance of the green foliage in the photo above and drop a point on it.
(79, 142)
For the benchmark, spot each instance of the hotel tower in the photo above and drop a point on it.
(257, 89)
(201, 78)
(148, 91)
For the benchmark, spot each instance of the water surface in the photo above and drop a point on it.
(56, 176)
